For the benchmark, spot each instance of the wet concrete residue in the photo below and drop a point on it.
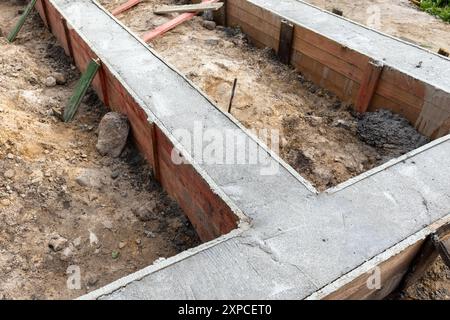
(392, 134)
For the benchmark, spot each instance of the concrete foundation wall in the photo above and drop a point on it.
(335, 54)
(209, 214)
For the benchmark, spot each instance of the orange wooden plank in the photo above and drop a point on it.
(160, 30)
(124, 7)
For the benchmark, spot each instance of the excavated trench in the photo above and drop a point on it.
(321, 137)
(117, 221)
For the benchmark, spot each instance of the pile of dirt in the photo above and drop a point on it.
(63, 206)
(390, 133)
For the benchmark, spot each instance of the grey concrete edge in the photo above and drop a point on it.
(159, 265)
(368, 266)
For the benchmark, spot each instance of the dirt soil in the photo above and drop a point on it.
(319, 134)
(118, 222)
(399, 18)
(322, 138)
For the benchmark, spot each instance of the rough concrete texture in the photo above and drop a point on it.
(298, 241)
(387, 131)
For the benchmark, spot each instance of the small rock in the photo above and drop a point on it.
(77, 242)
(93, 240)
(10, 156)
(145, 214)
(50, 82)
(9, 174)
(210, 25)
(115, 175)
(5, 202)
(107, 224)
(90, 178)
(60, 78)
(341, 124)
(112, 134)
(138, 241)
(122, 245)
(56, 242)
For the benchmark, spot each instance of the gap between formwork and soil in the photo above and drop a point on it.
(62, 204)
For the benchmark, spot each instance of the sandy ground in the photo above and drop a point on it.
(319, 134)
(399, 18)
(120, 222)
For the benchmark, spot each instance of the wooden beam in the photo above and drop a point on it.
(15, 31)
(188, 8)
(286, 38)
(369, 85)
(67, 36)
(436, 244)
(160, 30)
(80, 90)
(124, 7)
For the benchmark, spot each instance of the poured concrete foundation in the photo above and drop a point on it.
(277, 236)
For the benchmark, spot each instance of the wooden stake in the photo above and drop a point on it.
(80, 90)
(15, 31)
(285, 45)
(124, 7)
(232, 95)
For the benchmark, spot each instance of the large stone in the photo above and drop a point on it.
(113, 134)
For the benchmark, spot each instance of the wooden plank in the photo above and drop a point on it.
(80, 90)
(188, 8)
(15, 31)
(332, 47)
(160, 30)
(156, 168)
(252, 31)
(391, 271)
(349, 70)
(369, 85)
(126, 6)
(286, 37)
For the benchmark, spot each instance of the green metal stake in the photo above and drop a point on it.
(80, 90)
(14, 32)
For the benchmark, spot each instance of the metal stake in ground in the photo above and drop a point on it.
(15, 31)
(232, 95)
(80, 90)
